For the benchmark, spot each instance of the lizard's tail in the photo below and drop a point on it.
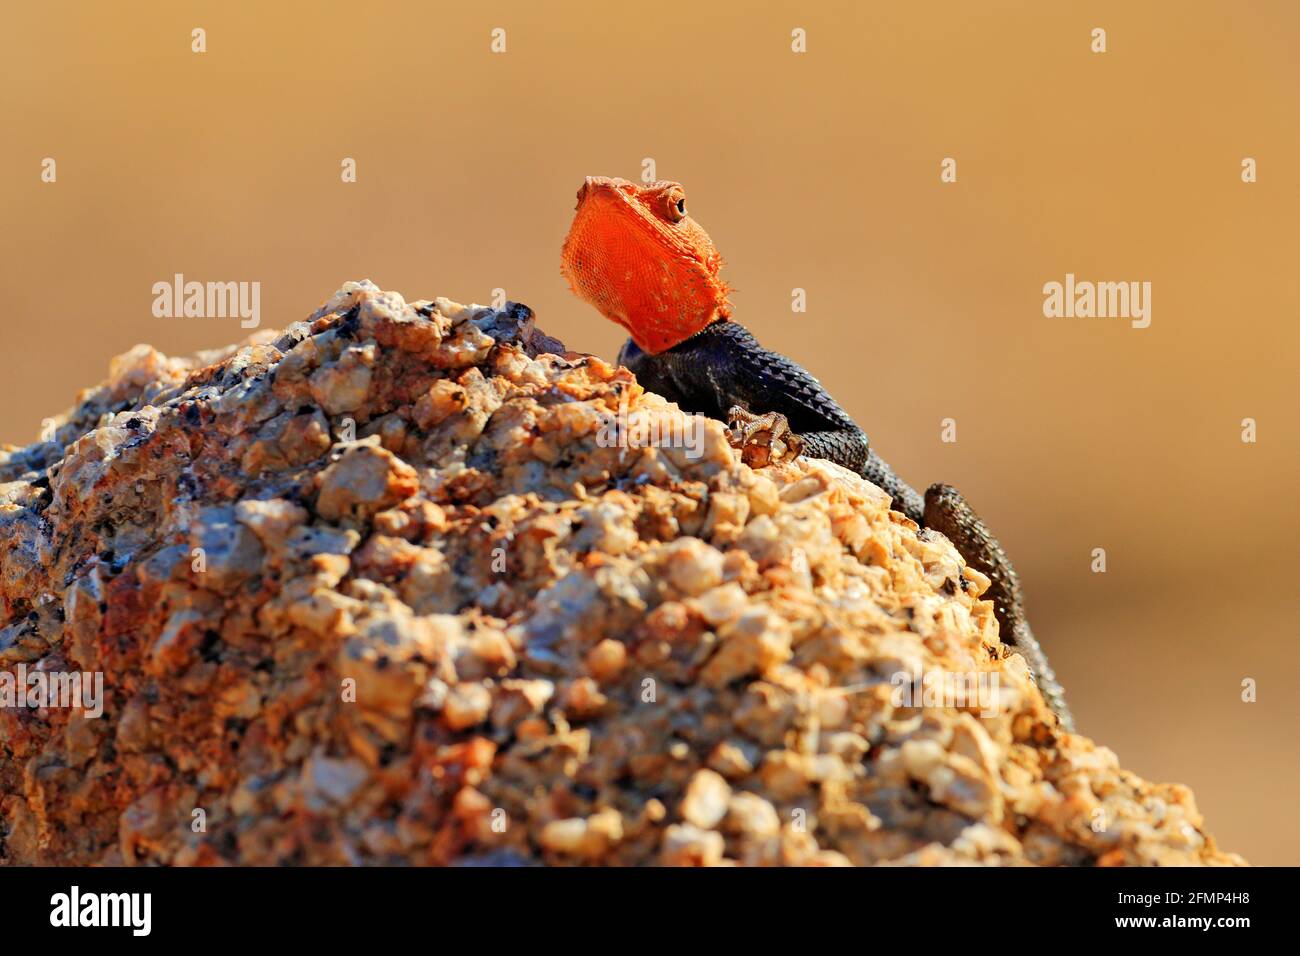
(946, 511)
(1022, 638)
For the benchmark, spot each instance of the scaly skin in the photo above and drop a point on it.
(635, 254)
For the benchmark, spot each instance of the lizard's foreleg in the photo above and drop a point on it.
(762, 438)
(946, 511)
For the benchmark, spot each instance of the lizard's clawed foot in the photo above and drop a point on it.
(762, 439)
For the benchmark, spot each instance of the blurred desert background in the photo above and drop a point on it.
(818, 171)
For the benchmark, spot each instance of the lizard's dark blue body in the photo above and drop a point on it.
(724, 365)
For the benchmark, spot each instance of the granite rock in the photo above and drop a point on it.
(387, 588)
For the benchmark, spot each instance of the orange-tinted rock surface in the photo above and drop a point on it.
(399, 585)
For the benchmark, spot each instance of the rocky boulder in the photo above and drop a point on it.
(409, 583)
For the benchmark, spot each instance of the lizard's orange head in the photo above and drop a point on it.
(635, 254)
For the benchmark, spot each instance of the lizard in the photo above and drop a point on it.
(634, 253)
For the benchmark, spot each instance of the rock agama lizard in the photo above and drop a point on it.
(637, 256)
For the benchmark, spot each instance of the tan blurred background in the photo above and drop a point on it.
(818, 171)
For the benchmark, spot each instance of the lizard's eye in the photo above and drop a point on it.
(676, 201)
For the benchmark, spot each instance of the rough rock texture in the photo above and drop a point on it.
(478, 631)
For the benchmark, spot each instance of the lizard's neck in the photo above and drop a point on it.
(710, 328)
